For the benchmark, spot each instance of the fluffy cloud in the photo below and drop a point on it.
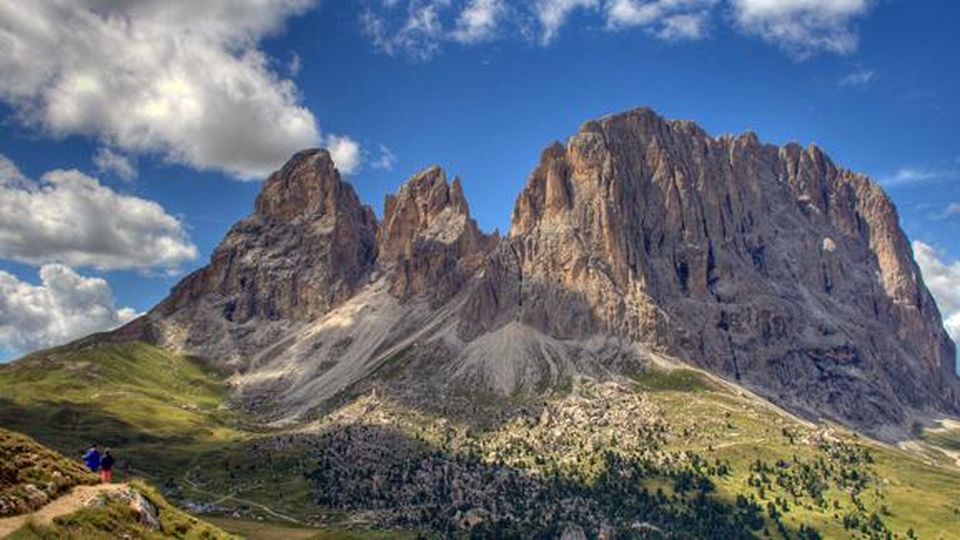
(108, 161)
(69, 217)
(10, 174)
(802, 27)
(668, 19)
(63, 307)
(418, 28)
(952, 324)
(478, 20)
(417, 34)
(553, 14)
(345, 153)
(182, 79)
(943, 279)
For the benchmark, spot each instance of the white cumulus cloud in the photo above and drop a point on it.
(478, 21)
(108, 161)
(553, 14)
(181, 79)
(667, 19)
(943, 280)
(68, 217)
(63, 307)
(802, 27)
(418, 28)
(345, 153)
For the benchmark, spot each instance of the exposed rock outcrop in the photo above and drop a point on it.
(428, 242)
(769, 266)
(308, 247)
(145, 511)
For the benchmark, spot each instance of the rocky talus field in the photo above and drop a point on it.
(680, 336)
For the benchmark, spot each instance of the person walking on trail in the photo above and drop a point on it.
(92, 458)
(106, 467)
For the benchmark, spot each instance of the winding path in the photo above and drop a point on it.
(233, 497)
(69, 503)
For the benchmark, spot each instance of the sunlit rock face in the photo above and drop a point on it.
(428, 241)
(769, 266)
(308, 247)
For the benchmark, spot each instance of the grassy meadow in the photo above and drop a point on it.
(167, 416)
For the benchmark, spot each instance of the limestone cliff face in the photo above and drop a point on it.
(306, 248)
(770, 266)
(428, 242)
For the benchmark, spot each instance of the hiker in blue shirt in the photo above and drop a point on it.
(92, 458)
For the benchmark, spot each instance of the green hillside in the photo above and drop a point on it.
(31, 474)
(157, 409)
(113, 518)
(670, 454)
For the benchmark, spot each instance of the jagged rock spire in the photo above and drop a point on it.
(427, 234)
(308, 185)
(307, 247)
(770, 266)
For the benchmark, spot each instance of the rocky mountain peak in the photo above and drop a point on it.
(426, 233)
(769, 266)
(308, 185)
(425, 207)
(308, 247)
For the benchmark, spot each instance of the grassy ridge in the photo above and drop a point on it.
(675, 380)
(264, 530)
(165, 412)
(31, 474)
(906, 493)
(157, 408)
(116, 519)
(945, 438)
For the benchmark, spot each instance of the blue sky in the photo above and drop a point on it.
(159, 120)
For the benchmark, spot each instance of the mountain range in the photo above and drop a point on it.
(680, 336)
(771, 267)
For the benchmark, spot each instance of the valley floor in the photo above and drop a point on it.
(671, 453)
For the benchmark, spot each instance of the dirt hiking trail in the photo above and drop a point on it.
(69, 503)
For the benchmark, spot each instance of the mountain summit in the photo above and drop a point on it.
(639, 238)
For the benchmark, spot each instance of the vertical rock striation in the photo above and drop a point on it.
(428, 242)
(769, 266)
(308, 247)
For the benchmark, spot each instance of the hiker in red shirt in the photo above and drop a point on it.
(106, 467)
